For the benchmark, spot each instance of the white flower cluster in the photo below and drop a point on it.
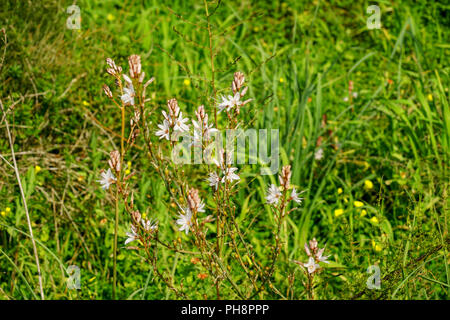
(234, 101)
(107, 179)
(174, 124)
(315, 255)
(274, 193)
(227, 172)
(148, 225)
(195, 205)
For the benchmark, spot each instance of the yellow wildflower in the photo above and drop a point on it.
(37, 169)
(8, 210)
(281, 80)
(363, 212)
(85, 103)
(368, 184)
(127, 171)
(110, 17)
(338, 212)
(358, 204)
(374, 220)
(339, 190)
(376, 246)
(3, 213)
(430, 97)
(144, 215)
(187, 82)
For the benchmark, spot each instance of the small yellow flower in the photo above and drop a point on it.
(368, 184)
(338, 212)
(8, 210)
(144, 215)
(256, 29)
(129, 164)
(187, 82)
(92, 279)
(85, 103)
(127, 172)
(376, 246)
(339, 190)
(37, 169)
(281, 80)
(374, 220)
(110, 17)
(430, 97)
(363, 213)
(358, 204)
(345, 200)
(3, 213)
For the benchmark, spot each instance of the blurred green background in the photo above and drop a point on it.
(387, 149)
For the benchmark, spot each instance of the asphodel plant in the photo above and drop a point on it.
(214, 237)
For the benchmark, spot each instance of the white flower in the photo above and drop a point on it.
(321, 258)
(295, 196)
(311, 266)
(225, 104)
(185, 220)
(128, 96)
(318, 155)
(149, 225)
(230, 175)
(131, 235)
(274, 194)
(345, 99)
(107, 179)
(355, 95)
(201, 207)
(213, 180)
(230, 102)
(180, 124)
(164, 130)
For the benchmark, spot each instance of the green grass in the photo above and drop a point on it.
(298, 59)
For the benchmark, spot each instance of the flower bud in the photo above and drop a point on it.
(107, 91)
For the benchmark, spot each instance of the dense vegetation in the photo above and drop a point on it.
(376, 193)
